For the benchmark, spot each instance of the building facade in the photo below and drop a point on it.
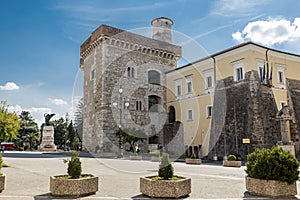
(226, 103)
(125, 84)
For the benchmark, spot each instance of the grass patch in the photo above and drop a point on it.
(69, 177)
(174, 178)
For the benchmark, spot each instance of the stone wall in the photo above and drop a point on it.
(104, 106)
(243, 109)
(172, 139)
(294, 103)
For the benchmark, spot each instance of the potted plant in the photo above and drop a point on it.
(193, 160)
(156, 157)
(166, 184)
(232, 162)
(2, 177)
(272, 172)
(75, 183)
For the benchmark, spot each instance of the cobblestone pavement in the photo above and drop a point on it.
(29, 172)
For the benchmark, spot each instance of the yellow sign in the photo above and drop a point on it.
(246, 140)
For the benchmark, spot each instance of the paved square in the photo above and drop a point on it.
(29, 172)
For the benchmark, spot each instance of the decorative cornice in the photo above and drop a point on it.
(128, 46)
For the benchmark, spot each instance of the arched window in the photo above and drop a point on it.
(172, 114)
(154, 101)
(154, 77)
(130, 70)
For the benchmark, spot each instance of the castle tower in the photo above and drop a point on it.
(162, 29)
(125, 84)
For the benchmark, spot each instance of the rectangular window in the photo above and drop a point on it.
(189, 87)
(208, 82)
(239, 71)
(209, 111)
(138, 105)
(190, 115)
(178, 90)
(280, 77)
(261, 74)
(239, 74)
(92, 74)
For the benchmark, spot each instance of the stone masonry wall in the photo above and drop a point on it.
(105, 105)
(250, 112)
(294, 103)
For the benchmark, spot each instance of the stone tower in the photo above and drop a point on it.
(125, 84)
(162, 29)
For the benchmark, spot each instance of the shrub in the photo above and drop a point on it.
(74, 166)
(166, 170)
(274, 164)
(231, 158)
(193, 156)
(1, 162)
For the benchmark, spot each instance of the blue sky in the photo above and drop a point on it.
(40, 40)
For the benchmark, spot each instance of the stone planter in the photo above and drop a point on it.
(73, 187)
(193, 161)
(2, 183)
(155, 159)
(135, 157)
(232, 163)
(165, 188)
(270, 188)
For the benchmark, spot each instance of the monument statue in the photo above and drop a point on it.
(48, 135)
(47, 118)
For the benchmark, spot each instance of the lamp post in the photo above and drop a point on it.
(120, 122)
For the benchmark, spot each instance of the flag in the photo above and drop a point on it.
(271, 72)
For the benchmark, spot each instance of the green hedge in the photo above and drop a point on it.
(273, 164)
(231, 157)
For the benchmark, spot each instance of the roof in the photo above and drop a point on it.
(233, 48)
(129, 37)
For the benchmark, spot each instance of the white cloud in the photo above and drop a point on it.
(58, 101)
(229, 8)
(9, 86)
(40, 110)
(270, 32)
(17, 109)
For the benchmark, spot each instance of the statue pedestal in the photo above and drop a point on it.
(47, 139)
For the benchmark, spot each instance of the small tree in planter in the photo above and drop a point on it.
(193, 159)
(2, 177)
(272, 173)
(75, 183)
(165, 185)
(232, 161)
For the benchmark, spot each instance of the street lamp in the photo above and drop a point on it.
(120, 121)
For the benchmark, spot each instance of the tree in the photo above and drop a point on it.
(9, 123)
(74, 141)
(60, 133)
(78, 122)
(29, 134)
(131, 135)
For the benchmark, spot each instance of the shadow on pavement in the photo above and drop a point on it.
(249, 196)
(48, 196)
(141, 196)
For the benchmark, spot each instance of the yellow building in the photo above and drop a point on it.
(234, 95)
